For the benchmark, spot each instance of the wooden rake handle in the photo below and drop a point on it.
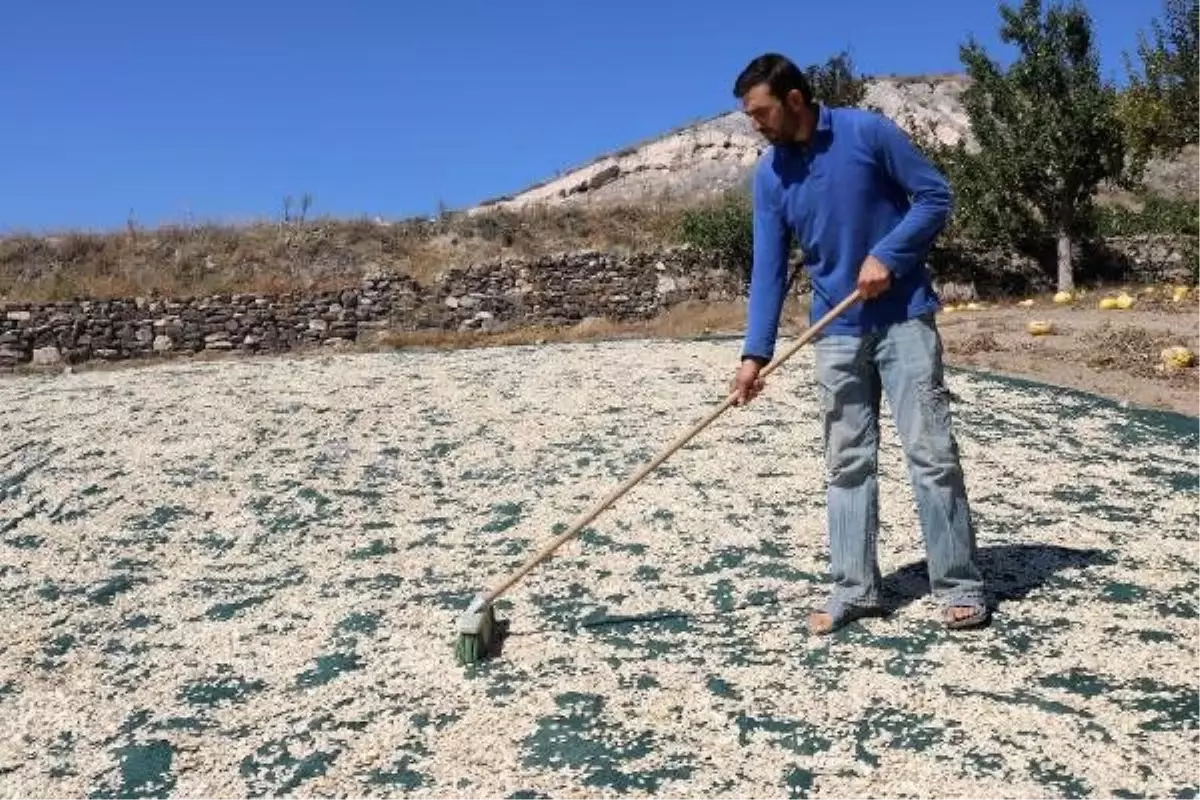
(581, 522)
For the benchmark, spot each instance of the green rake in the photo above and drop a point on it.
(478, 628)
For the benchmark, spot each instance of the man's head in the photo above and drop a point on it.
(777, 97)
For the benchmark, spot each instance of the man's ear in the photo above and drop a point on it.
(795, 100)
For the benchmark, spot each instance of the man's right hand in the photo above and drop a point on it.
(746, 382)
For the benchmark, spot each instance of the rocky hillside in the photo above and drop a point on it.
(705, 158)
(699, 160)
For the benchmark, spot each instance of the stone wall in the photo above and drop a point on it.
(490, 297)
(494, 296)
(1148, 258)
(966, 271)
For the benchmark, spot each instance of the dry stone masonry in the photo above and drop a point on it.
(490, 297)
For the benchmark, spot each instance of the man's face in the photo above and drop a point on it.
(776, 121)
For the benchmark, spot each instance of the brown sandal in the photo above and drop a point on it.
(978, 616)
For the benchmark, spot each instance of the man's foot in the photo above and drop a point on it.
(959, 617)
(823, 621)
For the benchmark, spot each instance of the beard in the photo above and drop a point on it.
(785, 131)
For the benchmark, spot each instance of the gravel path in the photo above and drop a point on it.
(241, 578)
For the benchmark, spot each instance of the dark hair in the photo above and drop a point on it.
(779, 73)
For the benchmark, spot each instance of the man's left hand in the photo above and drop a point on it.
(874, 278)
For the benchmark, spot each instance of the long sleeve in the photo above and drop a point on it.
(904, 247)
(768, 272)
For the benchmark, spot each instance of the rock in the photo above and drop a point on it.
(452, 302)
(219, 344)
(319, 325)
(46, 356)
(952, 292)
(9, 357)
(162, 344)
(20, 316)
(604, 176)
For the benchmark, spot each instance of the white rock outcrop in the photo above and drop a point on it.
(713, 155)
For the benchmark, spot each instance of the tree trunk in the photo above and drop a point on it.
(1066, 274)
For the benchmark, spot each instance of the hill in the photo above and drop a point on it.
(705, 158)
(694, 162)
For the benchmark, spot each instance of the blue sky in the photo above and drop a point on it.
(215, 111)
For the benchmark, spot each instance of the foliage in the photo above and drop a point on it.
(1160, 111)
(834, 82)
(725, 227)
(1046, 130)
(1157, 215)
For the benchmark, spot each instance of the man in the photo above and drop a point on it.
(864, 206)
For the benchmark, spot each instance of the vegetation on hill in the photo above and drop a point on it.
(1160, 110)
(303, 254)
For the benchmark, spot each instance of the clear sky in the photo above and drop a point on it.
(214, 111)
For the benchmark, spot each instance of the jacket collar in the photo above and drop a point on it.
(824, 118)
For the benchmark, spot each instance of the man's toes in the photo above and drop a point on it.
(820, 622)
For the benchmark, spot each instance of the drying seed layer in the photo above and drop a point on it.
(242, 578)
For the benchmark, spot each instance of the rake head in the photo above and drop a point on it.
(477, 633)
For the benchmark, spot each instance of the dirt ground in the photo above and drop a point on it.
(1114, 353)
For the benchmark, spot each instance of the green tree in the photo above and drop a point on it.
(1046, 131)
(1160, 110)
(834, 82)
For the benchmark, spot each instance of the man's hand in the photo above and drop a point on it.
(746, 382)
(874, 278)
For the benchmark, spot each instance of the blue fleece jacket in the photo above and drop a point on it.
(858, 187)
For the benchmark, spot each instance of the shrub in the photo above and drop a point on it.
(1158, 215)
(725, 227)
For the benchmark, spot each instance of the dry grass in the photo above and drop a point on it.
(1127, 348)
(687, 319)
(181, 261)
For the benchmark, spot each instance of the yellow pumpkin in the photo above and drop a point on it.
(1041, 327)
(1178, 357)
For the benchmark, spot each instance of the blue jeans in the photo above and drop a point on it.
(905, 361)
